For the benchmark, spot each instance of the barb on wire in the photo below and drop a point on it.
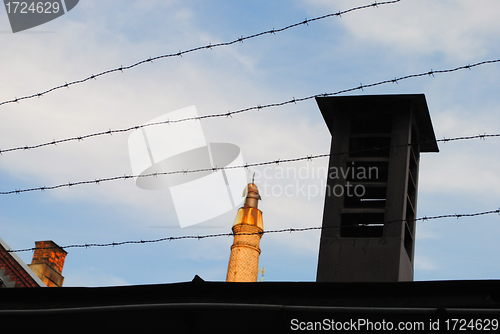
(246, 166)
(124, 177)
(209, 46)
(199, 237)
(257, 107)
(481, 137)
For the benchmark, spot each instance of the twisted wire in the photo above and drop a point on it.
(199, 237)
(205, 47)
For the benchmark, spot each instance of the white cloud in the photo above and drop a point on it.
(460, 30)
(424, 232)
(466, 166)
(91, 277)
(425, 264)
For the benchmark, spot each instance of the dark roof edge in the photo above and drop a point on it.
(418, 103)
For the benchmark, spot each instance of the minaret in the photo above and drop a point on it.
(247, 230)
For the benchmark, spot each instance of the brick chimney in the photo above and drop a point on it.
(48, 262)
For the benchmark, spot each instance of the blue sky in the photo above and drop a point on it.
(364, 46)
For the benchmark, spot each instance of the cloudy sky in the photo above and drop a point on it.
(360, 47)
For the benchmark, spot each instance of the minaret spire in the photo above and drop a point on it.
(247, 229)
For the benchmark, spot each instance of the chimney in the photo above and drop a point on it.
(247, 229)
(48, 262)
(371, 197)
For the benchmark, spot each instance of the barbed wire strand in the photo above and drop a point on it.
(199, 237)
(258, 107)
(205, 47)
(246, 166)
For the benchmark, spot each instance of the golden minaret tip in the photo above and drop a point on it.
(249, 214)
(247, 229)
(252, 195)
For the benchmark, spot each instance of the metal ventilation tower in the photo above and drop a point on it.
(371, 197)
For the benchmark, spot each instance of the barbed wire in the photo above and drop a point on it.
(199, 237)
(246, 165)
(205, 47)
(258, 107)
(483, 137)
